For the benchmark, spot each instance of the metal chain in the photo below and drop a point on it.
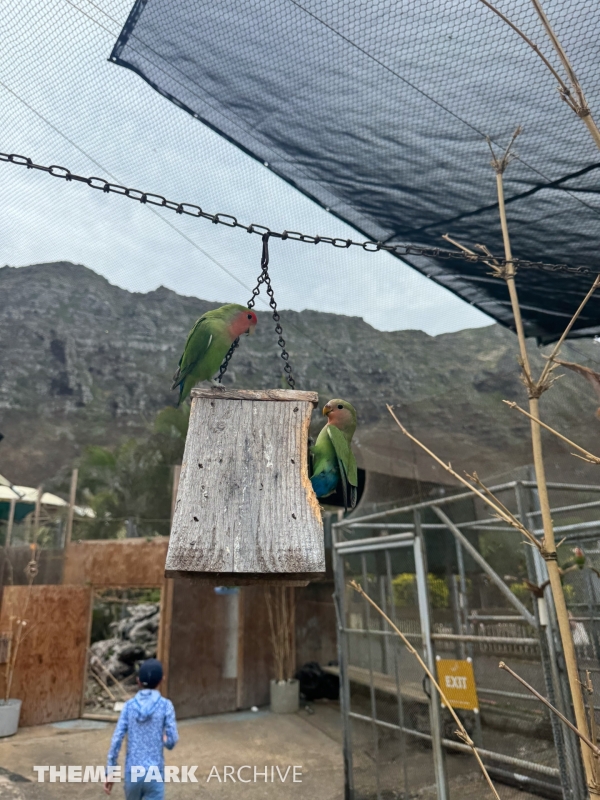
(227, 219)
(264, 278)
(227, 359)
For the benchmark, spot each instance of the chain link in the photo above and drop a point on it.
(264, 278)
(227, 359)
(193, 210)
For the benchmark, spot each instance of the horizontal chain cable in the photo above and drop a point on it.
(192, 210)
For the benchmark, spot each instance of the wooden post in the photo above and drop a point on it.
(246, 512)
(71, 512)
(36, 517)
(11, 522)
(166, 602)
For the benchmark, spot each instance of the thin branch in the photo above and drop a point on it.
(498, 269)
(103, 685)
(500, 164)
(462, 732)
(588, 456)
(533, 46)
(594, 748)
(494, 504)
(577, 103)
(583, 106)
(550, 363)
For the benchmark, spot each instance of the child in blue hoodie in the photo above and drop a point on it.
(148, 719)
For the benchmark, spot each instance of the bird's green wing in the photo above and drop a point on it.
(344, 454)
(196, 347)
(347, 465)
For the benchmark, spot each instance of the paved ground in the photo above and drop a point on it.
(311, 742)
(261, 739)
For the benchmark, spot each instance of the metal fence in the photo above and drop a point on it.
(462, 585)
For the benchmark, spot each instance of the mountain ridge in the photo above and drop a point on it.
(85, 362)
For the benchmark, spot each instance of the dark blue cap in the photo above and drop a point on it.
(150, 673)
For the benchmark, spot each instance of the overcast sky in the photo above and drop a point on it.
(63, 103)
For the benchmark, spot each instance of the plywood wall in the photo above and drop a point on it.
(126, 563)
(50, 668)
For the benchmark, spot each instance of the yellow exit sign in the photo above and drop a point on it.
(457, 680)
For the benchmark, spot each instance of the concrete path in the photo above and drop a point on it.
(265, 741)
(260, 740)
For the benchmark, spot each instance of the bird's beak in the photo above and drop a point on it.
(327, 410)
(250, 330)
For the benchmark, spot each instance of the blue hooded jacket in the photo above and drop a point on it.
(146, 718)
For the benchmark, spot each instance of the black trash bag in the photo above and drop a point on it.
(316, 684)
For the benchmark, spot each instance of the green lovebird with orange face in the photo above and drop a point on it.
(334, 464)
(208, 343)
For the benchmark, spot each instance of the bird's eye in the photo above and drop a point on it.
(340, 406)
(249, 316)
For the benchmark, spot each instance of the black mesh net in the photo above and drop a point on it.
(380, 113)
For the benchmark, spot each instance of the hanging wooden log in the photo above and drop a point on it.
(246, 512)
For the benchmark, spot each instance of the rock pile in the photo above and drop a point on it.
(134, 639)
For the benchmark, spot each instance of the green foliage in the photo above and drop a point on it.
(405, 590)
(521, 591)
(505, 552)
(133, 481)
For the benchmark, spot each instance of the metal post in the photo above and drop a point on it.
(463, 598)
(456, 615)
(395, 656)
(547, 668)
(367, 628)
(386, 644)
(429, 658)
(71, 511)
(591, 602)
(339, 600)
(574, 784)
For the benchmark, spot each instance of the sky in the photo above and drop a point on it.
(62, 102)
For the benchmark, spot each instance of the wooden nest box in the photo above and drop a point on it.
(246, 512)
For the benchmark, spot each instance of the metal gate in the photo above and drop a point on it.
(398, 740)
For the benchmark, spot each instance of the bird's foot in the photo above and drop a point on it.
(216, 385)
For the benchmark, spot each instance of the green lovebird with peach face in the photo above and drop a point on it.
(334, 464)
(208, 343)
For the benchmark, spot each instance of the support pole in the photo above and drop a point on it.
(339, 600)
(36, 513)
(567, 766)
(166, 602)
(11, 522)
(71, 512)
(557, 684)
(549, 542)
(439, 764)
(7, 540)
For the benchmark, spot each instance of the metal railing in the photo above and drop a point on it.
(368, 656)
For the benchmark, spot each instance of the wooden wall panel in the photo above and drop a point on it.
(111, 562)
(50, 671)
(198, 651)
(255, 657)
